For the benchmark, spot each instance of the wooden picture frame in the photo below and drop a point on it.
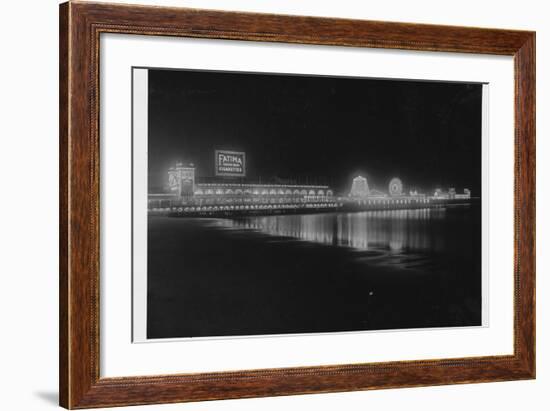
(80, 27)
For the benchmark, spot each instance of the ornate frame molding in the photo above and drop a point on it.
(80, 27)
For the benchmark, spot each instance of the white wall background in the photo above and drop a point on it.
(29, 190)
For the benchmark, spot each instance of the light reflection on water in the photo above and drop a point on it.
(385, 229)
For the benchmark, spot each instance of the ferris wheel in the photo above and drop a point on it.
(396, 187)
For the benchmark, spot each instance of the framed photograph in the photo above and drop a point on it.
(258, 205)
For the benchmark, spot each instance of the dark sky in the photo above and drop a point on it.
(318, 129)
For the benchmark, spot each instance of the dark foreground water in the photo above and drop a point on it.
(314, 273)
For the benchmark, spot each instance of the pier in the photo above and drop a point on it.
(336, 205)
(185, 196)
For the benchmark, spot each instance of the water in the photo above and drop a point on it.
(386, 230)
(314, 273)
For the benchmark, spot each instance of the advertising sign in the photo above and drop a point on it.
(230, 163)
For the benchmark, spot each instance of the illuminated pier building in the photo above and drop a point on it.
(363, 197)
(186, 195)
(451, 194)
(359, 188)
(185, 192)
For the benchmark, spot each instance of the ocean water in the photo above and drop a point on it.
(312, 273)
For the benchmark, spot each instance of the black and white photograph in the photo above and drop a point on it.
(295, 204)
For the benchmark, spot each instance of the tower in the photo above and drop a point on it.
(181, 179)
(359, 187)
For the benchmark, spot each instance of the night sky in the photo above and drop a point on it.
(320, 130)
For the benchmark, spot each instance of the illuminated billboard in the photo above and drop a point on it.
(230, 163)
